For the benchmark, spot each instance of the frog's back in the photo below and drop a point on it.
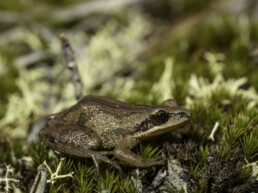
(111, 119)
(112, 104)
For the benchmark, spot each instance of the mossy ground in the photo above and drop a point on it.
(207, 69)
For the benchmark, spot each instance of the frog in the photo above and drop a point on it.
(98, 126)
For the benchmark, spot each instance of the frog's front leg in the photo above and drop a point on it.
(125, 155)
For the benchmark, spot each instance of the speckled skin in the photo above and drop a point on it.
(96, 124)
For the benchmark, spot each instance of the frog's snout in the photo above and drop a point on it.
(184, 113)
(183, 116)
(188, 113)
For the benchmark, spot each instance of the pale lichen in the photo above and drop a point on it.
(215, 128)
(55, 175)
(7, 180)
(163, 88)
(100, 57)
(201, 90)
(254, 166)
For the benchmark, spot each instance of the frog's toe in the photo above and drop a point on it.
(96, 163)
(97, 158)
(155, 161)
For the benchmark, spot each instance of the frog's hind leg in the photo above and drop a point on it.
(78, 141)
(96, 157)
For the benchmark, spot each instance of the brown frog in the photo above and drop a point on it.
(98, 126)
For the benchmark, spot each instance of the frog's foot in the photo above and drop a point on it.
(98, 157)
(155, 161)
(127, 157)
(146, 163)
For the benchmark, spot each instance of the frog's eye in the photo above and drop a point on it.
(51, 139)
(161, 116)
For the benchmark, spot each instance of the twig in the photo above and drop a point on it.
(87, 8)
(92, 23)
(8, 17)
(40, 123)
(182, 25)
(33, 58)
(253, 53)
(13, 158)
(71, 65)
(39, 183)
(33, 135)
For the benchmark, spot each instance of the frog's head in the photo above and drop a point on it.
(162, 119)
(50, 136)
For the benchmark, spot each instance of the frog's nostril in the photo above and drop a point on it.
(51, 139)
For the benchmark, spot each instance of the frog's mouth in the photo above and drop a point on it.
(151, 128)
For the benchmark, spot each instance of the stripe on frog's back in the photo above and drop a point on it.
(105, 103)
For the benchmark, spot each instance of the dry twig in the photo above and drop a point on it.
(71, 65)
(87, 8)
(39, 183)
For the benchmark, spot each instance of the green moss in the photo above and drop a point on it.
(12, 146)
(235, 111)
(205, 116)
(148, 151)
(203, 155)
(112, 182)
(196, 170)
(84, 177)
(38, 153)
(8, 86)
(108, 181)
(180, 91)
(249, 144)
(190, 5)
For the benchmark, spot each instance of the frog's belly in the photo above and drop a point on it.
(110, 138)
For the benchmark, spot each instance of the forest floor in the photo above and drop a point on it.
(203, 54)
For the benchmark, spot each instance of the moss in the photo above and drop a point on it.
(10, 148)
(38, 153)
(190, 5)
(8, 86)
(210, 73)
(83, 179)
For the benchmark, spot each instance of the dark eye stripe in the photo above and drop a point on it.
(158, 118)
